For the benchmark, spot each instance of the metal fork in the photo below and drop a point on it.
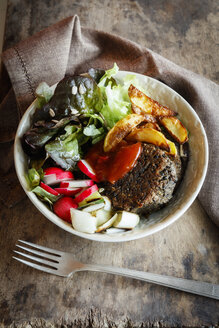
(63, 264)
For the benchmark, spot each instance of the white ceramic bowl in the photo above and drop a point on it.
(186, 193)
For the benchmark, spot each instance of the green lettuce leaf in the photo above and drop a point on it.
(96, 74)
(43, 93)
(94, 127)
(64, 150)
(116, 99)
(37, 163)
(108, 76)
(92, 131)
(97, 139)
(34, 139)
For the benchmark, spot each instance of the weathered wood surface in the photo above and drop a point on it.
(186, 33)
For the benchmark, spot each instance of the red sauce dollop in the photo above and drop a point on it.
(114, 165)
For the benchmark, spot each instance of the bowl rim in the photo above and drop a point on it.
(163, 223)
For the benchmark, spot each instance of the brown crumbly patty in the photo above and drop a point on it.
(149, 185)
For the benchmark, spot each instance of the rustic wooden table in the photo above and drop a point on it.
(186, 33)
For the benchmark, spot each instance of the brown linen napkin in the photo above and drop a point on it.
(68, 48)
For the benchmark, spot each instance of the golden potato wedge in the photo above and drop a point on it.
(154, 126)
(173, 149)
(175, 128)
(149, 135)
(150, 118)
(120, 130)
(146, 104)
(136, 109)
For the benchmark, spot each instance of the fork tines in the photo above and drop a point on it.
(46, 256)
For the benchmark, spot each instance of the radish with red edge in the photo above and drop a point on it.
(84, 194)
(62, 208)
(49, 189)
(82, 189)
(85, 167)
(67, 191)
(54, 175)
(53, 170)
(63, 184)
(50, 179)
(78, 183)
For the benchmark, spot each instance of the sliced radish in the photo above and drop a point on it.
(86, 193)
(85, 167)
(78, 183)
(66, 175)
(107, 224)
(53, 170)
(49, 189)
(126, 220)
(62, 208)
(83, 222)
(67, 191)
(60, 173)
(63, 184)
(54, 175)
(81, 190)
(50, 179)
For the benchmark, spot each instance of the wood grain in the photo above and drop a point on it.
(187, 35)
(3, 8)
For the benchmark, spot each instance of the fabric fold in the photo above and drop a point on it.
(42, 57)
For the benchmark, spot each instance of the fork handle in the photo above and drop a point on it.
(186, 285)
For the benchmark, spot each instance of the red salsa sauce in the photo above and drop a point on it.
(112, 166)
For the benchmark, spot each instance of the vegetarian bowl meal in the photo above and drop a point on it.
(110, 155)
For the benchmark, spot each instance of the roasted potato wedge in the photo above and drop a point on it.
(120, 130)
(148, 117)
(175, 128)
(173, 149)
(136, 109)
(149, 135)
(147, 105)
(154, 126)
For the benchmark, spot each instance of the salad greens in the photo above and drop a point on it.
(45, 196)
(64, 150)
(44, 93)
(96, 73)
(42, 131)
(80, 113)
(73, 95)
(34, 177)
(117, 102)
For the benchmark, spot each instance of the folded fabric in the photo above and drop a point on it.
(68, 48)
